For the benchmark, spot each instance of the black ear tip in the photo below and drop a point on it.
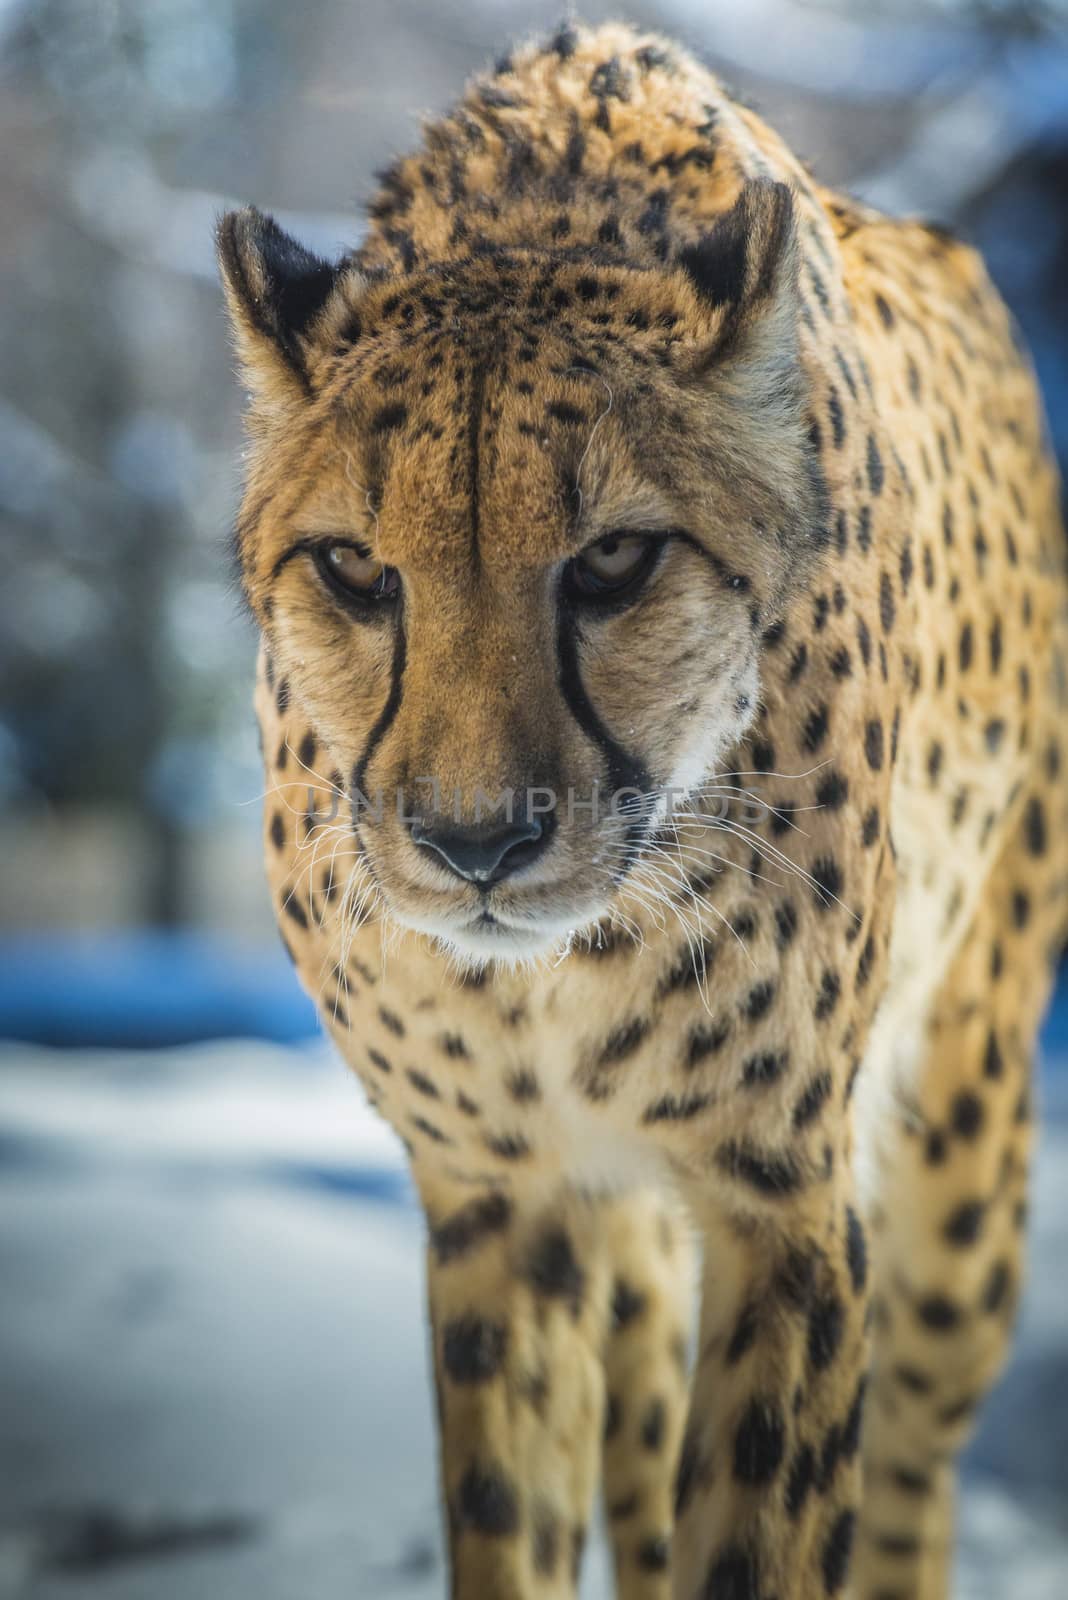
(739, 257)
(279, 286)
(237, 235)
(250, 233)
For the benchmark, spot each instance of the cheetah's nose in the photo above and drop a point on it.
(483, 853)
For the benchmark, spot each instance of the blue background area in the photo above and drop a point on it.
(148, 989)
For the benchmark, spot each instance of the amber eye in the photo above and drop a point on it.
(613, 568)
(353, 570)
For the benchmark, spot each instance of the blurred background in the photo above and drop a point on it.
(211, 1330)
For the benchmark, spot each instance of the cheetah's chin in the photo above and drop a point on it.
(491, 939)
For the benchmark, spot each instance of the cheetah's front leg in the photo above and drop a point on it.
(769, 1479)
(519, 1304)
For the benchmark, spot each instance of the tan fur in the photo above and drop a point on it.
(588, 304)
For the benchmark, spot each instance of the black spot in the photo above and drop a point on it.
(387, 418)
(887, 609)
(873, 744)
(704, 1041)
(800, 1480)
(624, 1041)
(508, 1146)
(828, 882)
(875, 466)
(833, 792)
(654, 1553)
(966, 647)
(677, 1108)
(652, 1427)
(759, 1443)
(785, 924)
(906, 567)
(997, 1288)
(545, 1542)
(488, 1502)
(827, 999)
(834, 411)
(766, 1068)
(856, 1251)
(815, 731)
(938, 1313)
(744, 1336)
(935, 1152)
(870, 830)
(914, 1381)
(884, 311)
(865, 963)
(993, 734)
(431, 1130)
(473, 1348)
(758, 1001)
(624, 1508)
(469, 1227)
(390, 1020)
(278, 831)
(563, 412)
(564, 41)
(523, 1087)
(993, 1060)
(554, 1270)
(825, 1324)
(689, 1471)
(609, 81)
(732, 1575)
(578, 1545)
(770, 1173)
(627, 1305)
(422, 1084)
(1035, 827)
(293, 909)
(964, 1225)
(837, 1552)
(812, 1101)
(967, 1115)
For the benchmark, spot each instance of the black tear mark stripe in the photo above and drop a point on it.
(625, 771)
(386, 716)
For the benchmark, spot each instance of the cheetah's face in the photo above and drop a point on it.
(513, 528)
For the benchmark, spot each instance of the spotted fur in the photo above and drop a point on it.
(794, 1016)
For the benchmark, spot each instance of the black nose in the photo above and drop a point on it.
(484, 852)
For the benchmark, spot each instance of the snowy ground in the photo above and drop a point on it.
(214, 1378)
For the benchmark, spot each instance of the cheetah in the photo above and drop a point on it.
(664, 617)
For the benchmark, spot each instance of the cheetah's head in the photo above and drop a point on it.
(516, 522)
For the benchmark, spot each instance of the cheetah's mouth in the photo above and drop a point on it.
(490, 936)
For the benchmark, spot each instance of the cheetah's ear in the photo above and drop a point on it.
(276, 291)
(746, 268)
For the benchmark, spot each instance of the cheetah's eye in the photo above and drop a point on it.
(352, 569)
(613, 568)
